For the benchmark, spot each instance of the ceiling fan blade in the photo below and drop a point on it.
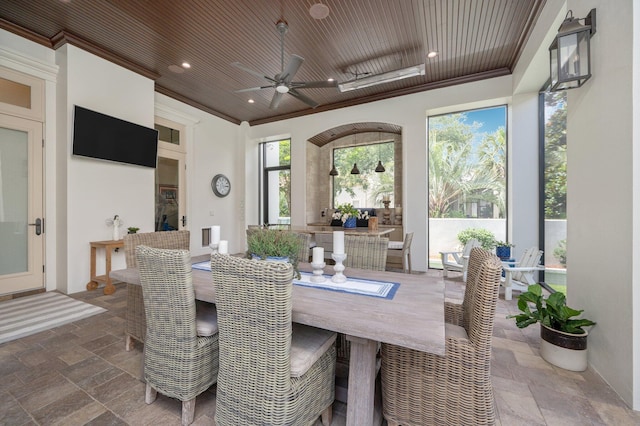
(251, 89)
(277, 97)
(307, 100)
(250, 71)
(292, 68)
(313, 84)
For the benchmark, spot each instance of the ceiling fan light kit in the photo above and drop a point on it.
(387, 77)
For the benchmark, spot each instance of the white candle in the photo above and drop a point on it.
(398, 210)
(318, 255)
(215, 234)
(338, 242)
(223, 247)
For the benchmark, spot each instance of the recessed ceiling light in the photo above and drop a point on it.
(251, 101)
(330, 79)
(186, 65)
(432, 54)
(319, 11)
(176, 69)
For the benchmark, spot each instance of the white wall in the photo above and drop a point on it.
(98, 190)
(213, 146)
(602, 191)
(410, 112)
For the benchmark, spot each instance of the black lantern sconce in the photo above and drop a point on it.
(570, 52)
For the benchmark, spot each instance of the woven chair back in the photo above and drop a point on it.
(305, 242)
(366, 252)
(483, 306)
(476, 259)
(253, 299)
(176, 240)
(408, 238)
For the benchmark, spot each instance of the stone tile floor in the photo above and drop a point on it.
(80, 374)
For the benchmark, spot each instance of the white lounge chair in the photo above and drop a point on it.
(457, 260)
(521, 274)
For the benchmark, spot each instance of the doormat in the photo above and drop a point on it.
(32, 314)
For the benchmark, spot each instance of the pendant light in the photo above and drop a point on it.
(379, 168)
(355, 170)
(334, 171)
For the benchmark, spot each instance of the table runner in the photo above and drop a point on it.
(372, 288)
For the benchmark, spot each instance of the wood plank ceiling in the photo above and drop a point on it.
(475, 39)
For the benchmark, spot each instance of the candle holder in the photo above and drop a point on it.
(338, 267)
(214, 247)
(318, 270)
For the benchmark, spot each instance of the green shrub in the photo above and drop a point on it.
(560, 252)
(486, 237)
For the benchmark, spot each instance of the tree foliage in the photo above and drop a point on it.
(555, 157)
(459, 172)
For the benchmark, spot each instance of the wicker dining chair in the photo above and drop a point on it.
(420, 388)
(135, 325)
(459, 313)
(272, 372)
(305, 246)
(366, 252)
(180, 348)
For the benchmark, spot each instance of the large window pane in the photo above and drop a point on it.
(467, 177)
(367, 188)
(276, 182)
(555, 190)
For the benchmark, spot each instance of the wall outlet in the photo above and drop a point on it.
(210, 212)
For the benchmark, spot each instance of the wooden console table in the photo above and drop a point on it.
(108, 246)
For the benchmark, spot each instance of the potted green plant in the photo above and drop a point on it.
(503, 250)
(347, 214)
(132, 230)
(275, 245)
(564, 341)
(484, 236)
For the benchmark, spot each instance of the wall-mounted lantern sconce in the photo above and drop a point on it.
(570, 52)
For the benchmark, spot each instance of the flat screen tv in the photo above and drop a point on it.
(100, 136)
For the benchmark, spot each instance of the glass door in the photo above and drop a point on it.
(21, 206)
(170, 177)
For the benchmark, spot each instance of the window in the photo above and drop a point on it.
(367, 188)
(275, 163)
(554, 196)
(467, 177)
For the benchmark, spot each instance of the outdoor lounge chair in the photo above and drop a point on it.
(457, 260)
(521, 274)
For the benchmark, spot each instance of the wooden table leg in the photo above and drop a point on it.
(362, 381)
(109, 288)
(92, 285)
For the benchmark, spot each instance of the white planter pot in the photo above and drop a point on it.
(564, 350)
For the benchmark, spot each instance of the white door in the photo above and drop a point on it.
(21, 207)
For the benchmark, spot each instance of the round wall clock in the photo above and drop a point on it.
(221, 185)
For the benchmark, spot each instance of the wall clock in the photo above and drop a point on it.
(221, 185)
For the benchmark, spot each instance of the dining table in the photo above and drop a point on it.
(412, 317)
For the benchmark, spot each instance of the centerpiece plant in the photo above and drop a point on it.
(274, 244)
(346, 212)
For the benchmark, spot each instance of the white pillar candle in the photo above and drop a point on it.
(338, 242)
(215, 234)
(223, 247)
(398, 210)
(318, 255)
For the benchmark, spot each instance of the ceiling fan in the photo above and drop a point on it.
(283, 82)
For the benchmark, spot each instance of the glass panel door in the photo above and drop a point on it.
(170, 186)
(21, 221)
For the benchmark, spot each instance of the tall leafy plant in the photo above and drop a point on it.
(551, 311)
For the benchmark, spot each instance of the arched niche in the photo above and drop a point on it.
(319, 155)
